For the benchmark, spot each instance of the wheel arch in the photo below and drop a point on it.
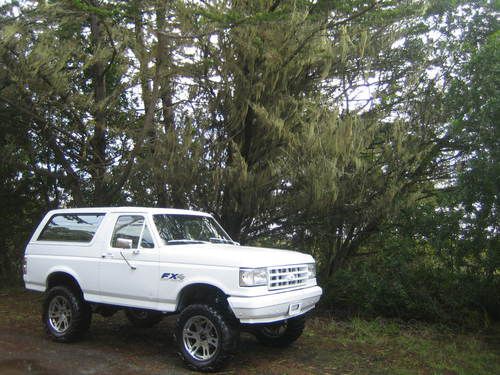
(200, 292)
(63, 278)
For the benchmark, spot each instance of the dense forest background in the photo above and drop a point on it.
(363, 132)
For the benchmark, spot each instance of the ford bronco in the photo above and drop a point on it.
(152, 262)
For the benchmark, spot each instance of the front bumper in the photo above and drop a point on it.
(275, 307)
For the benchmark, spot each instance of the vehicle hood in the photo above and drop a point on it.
(232, 256)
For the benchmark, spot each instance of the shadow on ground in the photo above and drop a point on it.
(112, 346)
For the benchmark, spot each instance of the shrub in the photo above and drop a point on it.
(410, 288)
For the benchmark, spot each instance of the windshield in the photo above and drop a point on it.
(182, 229)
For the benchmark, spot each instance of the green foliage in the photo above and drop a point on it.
(413, 287)
(317, 125)
(23, 194)
(474, 100)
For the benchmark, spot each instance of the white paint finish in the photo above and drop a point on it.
(169, 290)
(110, 280)
(118, 281)
(35, 287)
(272, 308)
(225, 255)
(84, 269)
(269, 300)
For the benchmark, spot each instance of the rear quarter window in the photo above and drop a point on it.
(71, 227)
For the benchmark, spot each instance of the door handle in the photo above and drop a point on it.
(107, 255)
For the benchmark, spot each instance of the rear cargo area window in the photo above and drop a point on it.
(71, 227)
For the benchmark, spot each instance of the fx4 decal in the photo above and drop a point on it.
(173, 276)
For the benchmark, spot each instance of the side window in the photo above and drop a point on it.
(134, 228)
(128, 227)
(71, 227)
(147, 240)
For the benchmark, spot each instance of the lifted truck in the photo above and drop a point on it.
(152, 262)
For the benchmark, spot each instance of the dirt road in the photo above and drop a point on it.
(111, 347)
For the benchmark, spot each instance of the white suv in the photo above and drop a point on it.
(154, 261)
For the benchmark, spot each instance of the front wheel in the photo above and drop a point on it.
(280, 334)
(143, 318)
(205, 337)
(66, 315)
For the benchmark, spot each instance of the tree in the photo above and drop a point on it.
(71, 69)
(24, 192)
(309, 122)
(304, 159)
(380, 160)
(473, 101)
(273, 72)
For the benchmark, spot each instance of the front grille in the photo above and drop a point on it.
(287, 276)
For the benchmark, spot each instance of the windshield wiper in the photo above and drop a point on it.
(220, 240)
(184, 240)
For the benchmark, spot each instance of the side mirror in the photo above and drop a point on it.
(124, 243)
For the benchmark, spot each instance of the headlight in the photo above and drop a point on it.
(253, 276)
(312, 270)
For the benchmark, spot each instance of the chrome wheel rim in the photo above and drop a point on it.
(200, 338)
(60, 314)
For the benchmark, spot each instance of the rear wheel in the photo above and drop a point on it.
(66, 315)
(143, 318)
(205, 338)
(280, 334)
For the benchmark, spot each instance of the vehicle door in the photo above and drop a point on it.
(129, 264)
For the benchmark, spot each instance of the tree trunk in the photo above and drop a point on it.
(98, 141)
(340, 254)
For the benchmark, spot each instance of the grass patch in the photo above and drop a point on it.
(400, 348)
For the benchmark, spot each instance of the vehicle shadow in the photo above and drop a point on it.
(156, 345)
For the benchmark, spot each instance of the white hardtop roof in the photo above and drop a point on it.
(151, 210)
